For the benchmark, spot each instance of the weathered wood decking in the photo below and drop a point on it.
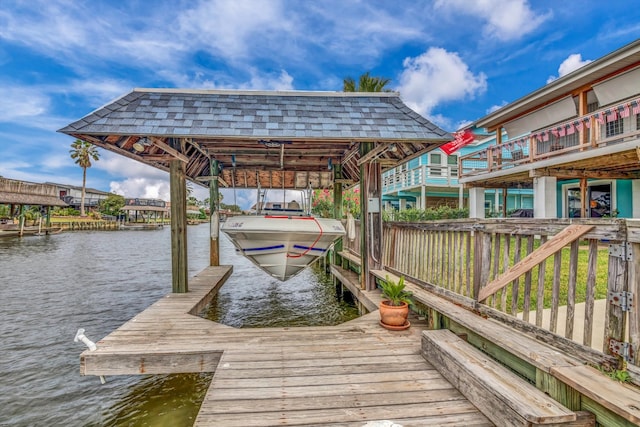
(342, 375)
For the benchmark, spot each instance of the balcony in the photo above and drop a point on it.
(559, 144)
(424, 175)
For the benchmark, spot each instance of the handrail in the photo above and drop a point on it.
(463, 256)
(578, 134)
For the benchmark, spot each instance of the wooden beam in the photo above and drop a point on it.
(157, 157)
(586, 173)
(214, 218)
(168, 149)
(551, 246)
(178, 189)
(583, 197)
(373, 153)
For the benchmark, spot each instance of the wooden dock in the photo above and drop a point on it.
(344, 375)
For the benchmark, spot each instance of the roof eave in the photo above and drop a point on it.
(561, 86)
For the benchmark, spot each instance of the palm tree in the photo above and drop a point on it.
(83, 152)
(366, 83)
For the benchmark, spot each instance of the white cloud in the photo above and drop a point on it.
(142, 187)
(232, 28)
(572, 63)
(435, 77)
(19, 103)
(282, 81)
(504, 19)
(97, 90)
(138, 179)
(496, 107)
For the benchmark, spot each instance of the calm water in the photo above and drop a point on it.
(50, 286)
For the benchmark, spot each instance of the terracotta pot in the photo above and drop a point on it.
(394, 315)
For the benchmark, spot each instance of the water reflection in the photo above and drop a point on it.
(52, 285)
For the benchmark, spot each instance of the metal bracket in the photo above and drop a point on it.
(621, 250)
(622, 299)
(622, 349)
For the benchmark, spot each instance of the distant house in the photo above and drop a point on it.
(72, 195)
(145, 210)
(575, 142)
(431, 180)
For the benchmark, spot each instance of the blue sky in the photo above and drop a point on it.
(452, 61)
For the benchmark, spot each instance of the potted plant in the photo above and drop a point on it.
(394, 307)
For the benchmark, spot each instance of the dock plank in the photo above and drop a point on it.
(343, 375)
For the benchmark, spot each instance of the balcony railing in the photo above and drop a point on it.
(606, 126)
(435, 175)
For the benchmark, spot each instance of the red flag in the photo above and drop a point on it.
(571, 129)
(600, 118)
(624, 110)
(545, 136)
(579, 125)
(636, 108)
(612, 116)
(462, 138)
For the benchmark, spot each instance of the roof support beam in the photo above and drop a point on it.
(573, 173)
(168, 149)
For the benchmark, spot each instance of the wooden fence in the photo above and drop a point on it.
(585, 291)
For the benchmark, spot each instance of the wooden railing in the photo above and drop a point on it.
(607, 126)
(572, 293)
(435, 175)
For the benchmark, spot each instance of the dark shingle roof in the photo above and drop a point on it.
(250, 115)
(260, 139)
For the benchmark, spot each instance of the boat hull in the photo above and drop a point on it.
(282, 245)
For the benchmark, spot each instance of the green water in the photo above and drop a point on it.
(98, 281)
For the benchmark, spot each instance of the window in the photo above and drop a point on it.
(615, 127)
(452, 162)
(435, 164)
(638, 121)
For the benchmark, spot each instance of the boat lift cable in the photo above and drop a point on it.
(315, 241)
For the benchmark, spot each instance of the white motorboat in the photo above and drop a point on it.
(282, 244)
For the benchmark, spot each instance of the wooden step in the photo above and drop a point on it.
(501, 395)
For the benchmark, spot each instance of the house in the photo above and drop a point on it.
(575, 142)
(72, 195)
(431, 180)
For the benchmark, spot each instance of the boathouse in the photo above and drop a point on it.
(478, 351)
(20, 194)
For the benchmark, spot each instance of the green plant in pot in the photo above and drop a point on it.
(394, 308)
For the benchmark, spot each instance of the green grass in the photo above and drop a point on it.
(563, 290)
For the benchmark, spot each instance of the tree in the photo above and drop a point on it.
(366, 83)
(83, 152)
(112, 204)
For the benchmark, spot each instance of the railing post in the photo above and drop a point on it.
(614, 326)
(481, 260)
(634, 314)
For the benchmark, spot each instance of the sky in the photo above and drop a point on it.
(452, 61)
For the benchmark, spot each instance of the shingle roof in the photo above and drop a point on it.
(28, 193)
(235, 114)
(266, 139)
